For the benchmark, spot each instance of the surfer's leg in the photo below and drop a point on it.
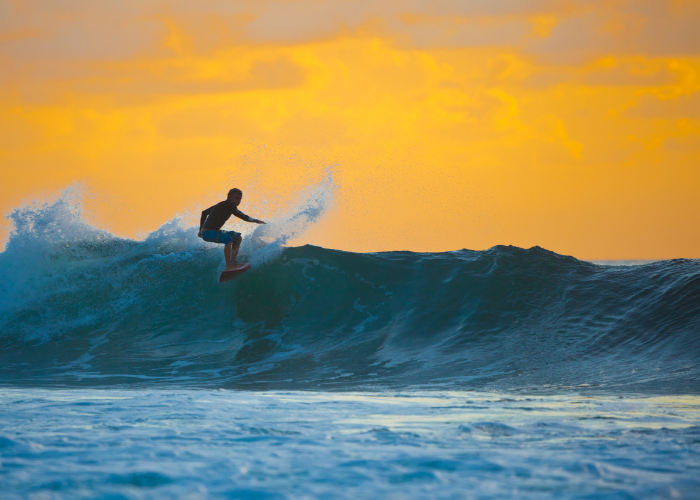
(227, 255)
(231, 252)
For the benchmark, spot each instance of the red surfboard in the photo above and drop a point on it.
(232, 273)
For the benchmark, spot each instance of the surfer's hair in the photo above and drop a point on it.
(235, 191)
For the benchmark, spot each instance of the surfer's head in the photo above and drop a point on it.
(235, 196)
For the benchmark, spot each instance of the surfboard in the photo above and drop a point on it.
(232, 273)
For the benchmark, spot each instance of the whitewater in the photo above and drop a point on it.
(128, 371)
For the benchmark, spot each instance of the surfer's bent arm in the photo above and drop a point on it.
(246, 218)
(205, 214)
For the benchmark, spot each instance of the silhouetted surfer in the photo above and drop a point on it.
(213, 218)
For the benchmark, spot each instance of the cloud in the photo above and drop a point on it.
(643, 27)
(637, 72)
(189, 79)
(75, 30)
(143, 79)
(558, 30)
(652, 107)
(640, 72)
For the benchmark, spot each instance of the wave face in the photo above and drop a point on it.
(82, 307)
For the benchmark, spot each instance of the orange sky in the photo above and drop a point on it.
(573, 125)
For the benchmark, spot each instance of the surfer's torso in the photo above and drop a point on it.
(213, 218)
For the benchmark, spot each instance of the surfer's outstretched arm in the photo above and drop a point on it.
(247, 218)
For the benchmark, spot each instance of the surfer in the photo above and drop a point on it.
(213, 218)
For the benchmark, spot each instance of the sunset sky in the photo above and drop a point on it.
(573, 125)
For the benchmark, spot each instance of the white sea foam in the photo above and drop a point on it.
(266, 242)
(40, 230)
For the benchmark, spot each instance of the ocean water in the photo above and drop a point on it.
(128, 371)
(141, 443)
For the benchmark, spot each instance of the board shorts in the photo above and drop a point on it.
(224, 237)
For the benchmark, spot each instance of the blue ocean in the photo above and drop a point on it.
(127, 371)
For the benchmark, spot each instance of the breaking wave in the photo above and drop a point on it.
(80, 307)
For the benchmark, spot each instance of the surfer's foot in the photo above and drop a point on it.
(232, 266)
